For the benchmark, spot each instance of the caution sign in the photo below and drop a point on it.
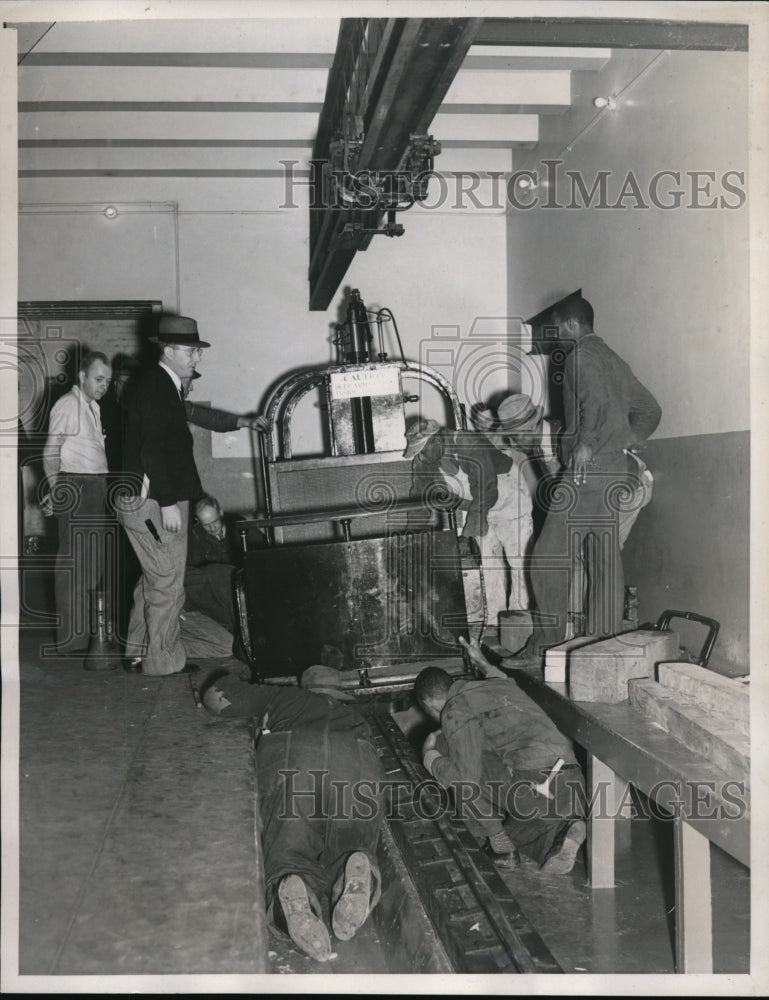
(376, 381)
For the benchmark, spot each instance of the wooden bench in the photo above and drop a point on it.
(707, 806)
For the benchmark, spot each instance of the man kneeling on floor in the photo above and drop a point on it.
(320, 786)
(496, 748)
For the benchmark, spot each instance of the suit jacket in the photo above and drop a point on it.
(210, 419)
(158, 441)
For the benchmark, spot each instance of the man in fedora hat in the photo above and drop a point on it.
(161, 480)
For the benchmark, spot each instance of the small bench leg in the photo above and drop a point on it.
(601, 789)
(694, 926)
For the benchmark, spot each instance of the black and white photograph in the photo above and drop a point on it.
(383, 433)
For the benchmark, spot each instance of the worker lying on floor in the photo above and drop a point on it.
(497, 748)
(320, 782)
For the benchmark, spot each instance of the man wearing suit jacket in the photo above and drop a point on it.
(162, 479)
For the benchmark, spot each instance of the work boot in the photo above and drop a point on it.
(503, 852)
(356, 893)
(304, 927)
(562, 855)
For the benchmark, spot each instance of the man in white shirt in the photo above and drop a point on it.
(75, 465)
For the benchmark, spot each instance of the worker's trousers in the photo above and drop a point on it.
(509, 801)
(534, 820)
(581, 530)
(153, 628)
(208, 588)
(320, 799)
(503, 548)
(80, 505)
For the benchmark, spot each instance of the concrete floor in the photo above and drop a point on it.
(138, 855)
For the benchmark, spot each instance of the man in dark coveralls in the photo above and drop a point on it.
(607, 412)
(320, 786)
(494, 747)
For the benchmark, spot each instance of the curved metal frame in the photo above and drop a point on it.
(287, 396)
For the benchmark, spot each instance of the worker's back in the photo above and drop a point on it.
(513, 726)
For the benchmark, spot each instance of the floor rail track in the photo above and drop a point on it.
(474, 912)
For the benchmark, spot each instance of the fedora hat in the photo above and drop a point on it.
(125, 364)
(178, 330)
(418, 434)
(518, 413)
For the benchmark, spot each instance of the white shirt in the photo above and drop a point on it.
(75, 437)
(174, 377)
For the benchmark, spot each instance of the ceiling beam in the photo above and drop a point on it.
(619, 34)
(155, 107)
(199, 60)
(393, 75)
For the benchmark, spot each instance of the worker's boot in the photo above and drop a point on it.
(563, 854)
(355, 894)
(503, 852)
(297, 911)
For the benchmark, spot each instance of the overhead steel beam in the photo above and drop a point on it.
(615, 34)
(392, 74)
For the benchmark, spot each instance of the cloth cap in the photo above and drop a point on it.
(178, 330)
(418, 434)
(483, 419)
(518, 413)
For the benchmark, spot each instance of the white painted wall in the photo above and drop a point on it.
(227, 253)
(669, 287)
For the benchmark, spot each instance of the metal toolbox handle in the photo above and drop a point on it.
(664, 619)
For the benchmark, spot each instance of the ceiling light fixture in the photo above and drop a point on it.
(110, 212)
(605, 102)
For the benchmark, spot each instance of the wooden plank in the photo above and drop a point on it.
(694, 930)
(601, 670)
(557, 658)
(697, 728)
(727, 696)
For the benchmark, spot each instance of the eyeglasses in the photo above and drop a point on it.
(191, 352)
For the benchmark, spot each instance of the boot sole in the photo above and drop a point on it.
(352, 908)
(307, 931)
(563, 861)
